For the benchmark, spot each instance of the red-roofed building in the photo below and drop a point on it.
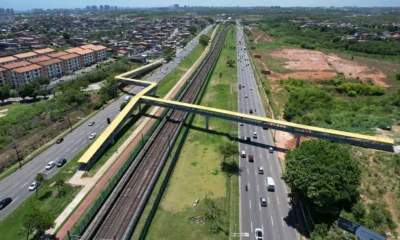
(25, 75)
(26, 56)
(39, 59)
(7, 60)
(100, 52)
(58, 54)
(10, 75)
(70, 62)
(53, 68)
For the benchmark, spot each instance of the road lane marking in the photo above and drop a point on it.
(248, 185)
(24, 185)
(250, 203)
(75, 150)
(251, 223)
(260, 207)
(272, 221)
(270, 167)
(68, 150)
(257, 189)
(262, 227)
(268, 200)
(277, 199)
(268, 156)
(247, 171)
(260, 156)
(14, 200)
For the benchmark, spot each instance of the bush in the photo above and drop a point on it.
(398, 76)
(204, 39)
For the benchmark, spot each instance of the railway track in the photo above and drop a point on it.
(118, 221)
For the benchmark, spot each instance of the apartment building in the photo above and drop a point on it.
(44, 51)
(10, 75)
(7, 60)
(3, 80)
(87, 56)
(100, 52)
(26, 56)
(53, 68)
(25, 75)
(70, 62)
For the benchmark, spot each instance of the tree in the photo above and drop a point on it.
(43, 82)
(109, 89)
(168, 53)
(29, 90)
(36, 220)
(203, 40)
(40, 178)
(192, 29)
(214, 216)
(398, 76)
(66, 35)
(228, 149)
(59, 184)
(4, 92)
(230, 62)
(323, 173)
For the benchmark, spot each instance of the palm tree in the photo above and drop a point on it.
(59, 183)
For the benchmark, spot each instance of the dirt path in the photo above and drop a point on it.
(256, 40)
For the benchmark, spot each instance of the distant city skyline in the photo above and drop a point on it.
(22, 5)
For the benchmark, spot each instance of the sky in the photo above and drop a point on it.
(45, 4)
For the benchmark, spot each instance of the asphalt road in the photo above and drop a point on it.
(273, 219)
(16, 185)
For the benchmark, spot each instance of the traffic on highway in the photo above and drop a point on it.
(264, 204)
(18, 186)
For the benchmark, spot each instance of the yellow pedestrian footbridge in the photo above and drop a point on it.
(106, 138)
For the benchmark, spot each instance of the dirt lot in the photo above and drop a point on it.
(312, 65)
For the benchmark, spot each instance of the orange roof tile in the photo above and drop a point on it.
(44, 50)
(39, 59)
(25, 55)
(84, 51)
(16, 65)
(50, 62)
(58, 54)
(27, 68)
(69, 56)
(73, 50)
(93, 47)
(7, 59)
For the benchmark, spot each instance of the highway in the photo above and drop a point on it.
(274, 219)
(16, 185)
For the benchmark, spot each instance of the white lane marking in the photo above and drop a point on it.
(268, 156)
(260, 207)
(75, 150)
(262, 227)
(272, 221)
(255, 172)
(257, 189)
(14, 200)
(265, 182)
(270, 167)
(251, 223)
(24, 185)
(260, 156)
(68, 150)
(268, 200)
(247, 171)
(277, 199)
(248, 184)
(250, 203)
(283, 224)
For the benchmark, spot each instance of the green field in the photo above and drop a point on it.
(197, 172)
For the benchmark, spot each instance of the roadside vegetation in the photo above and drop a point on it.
(208, 167)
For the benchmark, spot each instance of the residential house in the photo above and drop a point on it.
(39, 59)
(53, 68)
(44, 51)
(10, 75)
(100, 52)
(26, 56)
(58, 54)
(7, 60)
(70, 62)
(25, 75)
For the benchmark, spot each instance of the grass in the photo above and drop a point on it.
(11, 227)
(199, 164)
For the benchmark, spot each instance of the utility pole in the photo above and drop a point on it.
(19, 160)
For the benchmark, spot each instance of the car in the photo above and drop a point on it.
(259, 234)
(270, 149)
(251, 158)
(50, 165)
(241, 124)
(260, 170)
(91, 123)
(34, 185)
(265, 128)
(246, 96)
(251, 88)
(251, 111)
(92, 136)
(61, 162)
(5, 202)
(243, 154)
(254, 134)
(263, 201)
(60, 140)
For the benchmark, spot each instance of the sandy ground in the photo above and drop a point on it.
(312, 65)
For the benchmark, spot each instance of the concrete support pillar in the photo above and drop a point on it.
(140, 107)
(297, 141)
(207, 123)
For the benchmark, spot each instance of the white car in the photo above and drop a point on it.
(50, 165)
(92, 136)
(259, 234)
(34, 185)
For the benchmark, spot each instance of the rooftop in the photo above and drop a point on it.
(39, 59)
(73, 50)
(25, 55)
(27, 68)
(16, 65)
(68, 56)
(50, 62)
(2, 69)
(58, 54)
(84, 51)
(44, 50)
(7, 59)
(93, 47)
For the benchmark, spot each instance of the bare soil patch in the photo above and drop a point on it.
(313, 65)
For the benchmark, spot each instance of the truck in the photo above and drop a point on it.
(270, 184)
